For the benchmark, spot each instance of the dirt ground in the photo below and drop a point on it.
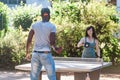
(112, 71)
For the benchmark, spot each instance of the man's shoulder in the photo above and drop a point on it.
(51, 23)
(36, 23)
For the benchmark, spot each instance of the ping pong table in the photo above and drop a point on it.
(79, 66)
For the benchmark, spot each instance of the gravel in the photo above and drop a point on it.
(18, 75)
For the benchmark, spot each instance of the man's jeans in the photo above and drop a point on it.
(42, 59)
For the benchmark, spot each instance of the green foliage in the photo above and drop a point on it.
(3, 18)
(68, 36)
(24, 15)
(85, 1)
(68, 11)
(112, 50)
(12, 48)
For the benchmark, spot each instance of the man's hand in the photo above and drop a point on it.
(28, 57)
(57, 50)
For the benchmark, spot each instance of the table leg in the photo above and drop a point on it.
(40, 76)
(80, 76)
(94, 75)
(58, 76)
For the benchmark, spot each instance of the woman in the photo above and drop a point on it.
(90, 42)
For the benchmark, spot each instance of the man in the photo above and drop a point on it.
(44, 34)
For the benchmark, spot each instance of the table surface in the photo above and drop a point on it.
(72, 65)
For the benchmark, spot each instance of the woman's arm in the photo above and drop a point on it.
(97, 48)
(81, 42)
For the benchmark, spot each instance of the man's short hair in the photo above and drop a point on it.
(45, 10)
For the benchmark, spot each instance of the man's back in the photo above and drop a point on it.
(42, 32)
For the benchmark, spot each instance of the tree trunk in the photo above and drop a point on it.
(113, 2)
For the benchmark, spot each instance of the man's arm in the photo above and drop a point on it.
(52, 43)
(29, 40)
(52, 38)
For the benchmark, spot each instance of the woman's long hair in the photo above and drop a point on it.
(93, 35)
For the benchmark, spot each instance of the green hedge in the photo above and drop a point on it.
(12, 48)
(25, 15)
(3, 18)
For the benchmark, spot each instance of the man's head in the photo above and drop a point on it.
(45, 13)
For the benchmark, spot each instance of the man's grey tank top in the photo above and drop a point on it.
(89, 52)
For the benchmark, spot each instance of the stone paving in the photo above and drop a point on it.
(15, 75)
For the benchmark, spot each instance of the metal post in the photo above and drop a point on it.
(7, 1)
(1, 20)
(17, 2)
(118, 5)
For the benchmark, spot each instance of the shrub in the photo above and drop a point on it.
(12, 48)
(68, 36)
(68, 12)
(24, 15)
(3, 18)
